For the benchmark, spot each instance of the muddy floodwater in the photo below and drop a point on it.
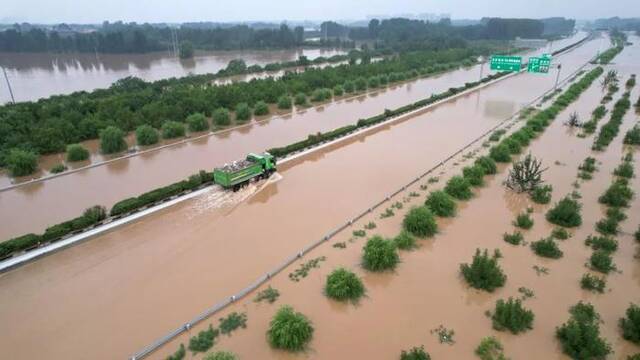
(37, 75)
(111, 296)
(115, 181)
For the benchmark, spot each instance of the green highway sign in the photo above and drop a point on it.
(539, 64)
(506, 63)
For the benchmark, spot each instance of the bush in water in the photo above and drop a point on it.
(630, 325)
(221, 117)
(220, 355)
(343, 285)
(483, 272)
(261, 108)
(197, 122)
(289, 330)
(488, 164)
(593, 283)
(474, 175)
(459, 188)
(284, 102)
(112, 140)
(172, 130)
(580, 336)
(405, 241)
(420, 222)
(490, 349)
(415, 353)
(441, 203)
(514, 239)
(204, 340)
(243, 112)
(510, 315)
(601, 261)
(500, 153)
(300, 99)
(57, 168)
(379, 254)
(566, 213)
(541, 194)
(546, 248)
(523, 221)
(146, 135)
(76, 152)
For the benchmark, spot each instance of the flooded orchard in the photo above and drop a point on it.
(132, 176)
(150, 276)
(40, 75)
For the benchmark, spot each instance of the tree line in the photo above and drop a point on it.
(49, 125)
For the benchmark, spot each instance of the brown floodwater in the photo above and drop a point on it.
(112, 295)
(71, 194)
(38, 75)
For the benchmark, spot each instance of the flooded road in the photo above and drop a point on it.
(132, 176)
(148, 277)
(39, 75)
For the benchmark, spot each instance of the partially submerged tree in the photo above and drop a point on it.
(574, 120)
(525, 175)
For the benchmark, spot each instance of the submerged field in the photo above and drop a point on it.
(407, 306)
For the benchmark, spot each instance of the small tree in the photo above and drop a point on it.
(300, 99)
(523, 221)
(630, 325)
(146, 135)
(546, 248)
(221, 117)
(197, 122)
(405, 241)
(566, 213)
(500, 153)
(284, 102)
(415, 353)
(260, 108)
(343, 285)
(541, 194)
(186, 50)
(76, 152)
(420, 222)
(243, 112)
(338, 90)
(488, 164)
(459, 188)
(593, 283)
(510, 315)
(441, 203)
(474, 175)
(21, 162)
(112, 140)
(172, 130)
(490, 349)
(580, 336)
(525, 175)
(483, 272)
(289, 330)
(379, 254)
(574, 120)
(601, 261)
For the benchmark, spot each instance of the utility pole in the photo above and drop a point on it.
(13, 100)
(481, 61)
(557, 77)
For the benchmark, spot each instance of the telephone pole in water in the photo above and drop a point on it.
(13, 100)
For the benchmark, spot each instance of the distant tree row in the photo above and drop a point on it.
(133, 38)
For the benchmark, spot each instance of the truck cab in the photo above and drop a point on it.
(267, 161)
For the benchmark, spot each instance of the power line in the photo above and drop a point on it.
(13, 100)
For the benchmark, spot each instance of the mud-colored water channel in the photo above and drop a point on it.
(118, 292)
(129, 177)
(37, 75)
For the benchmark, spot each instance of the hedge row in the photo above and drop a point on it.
(610, 130)
(96, 214)
(362, 123)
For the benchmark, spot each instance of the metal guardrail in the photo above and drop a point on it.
(265, 278)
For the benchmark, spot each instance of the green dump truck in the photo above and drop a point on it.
(240, 173)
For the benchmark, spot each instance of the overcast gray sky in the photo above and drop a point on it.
(92, 11)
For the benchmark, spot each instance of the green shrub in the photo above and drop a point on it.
(459, 188)
(112, 140)
(420, 222)
(630, 325)
(415, 353)
(343, 285)
(618, 194)
(204, 340)
(512, 145)
(487, 164)
(220, 355)
(289, 330)
(300, 99)
(546, 248)
(588, 165)
(349, 87)
(637, 234)
(580, 336)
(76, 152)
(284, 102)
(625, 169)
(338, 90)
(179, 354)
(560, 234)
(616, 214)
(483, 272)
(632, 137)
(269, 294)
(490, 349)
(57, 168)
(514, 239)
(172, 130)
(496, 135)
(405, 241)
(243, 112)
(146, 135)
(361, 84)
(379, 254)
(197, 122)
(500, 153)
(593, 283)
(474, 175)
(601, 261)
(221, 117)
(541, 194)
(523, 221)
(441, 203)
(233, 322)
(260, 108)
(566, 213)
(607, 226)
(510, 315)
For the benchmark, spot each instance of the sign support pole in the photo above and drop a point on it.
(557, 77)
